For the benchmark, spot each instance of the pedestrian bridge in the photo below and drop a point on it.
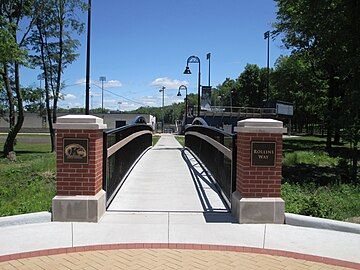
(168, 178)
(215, 172)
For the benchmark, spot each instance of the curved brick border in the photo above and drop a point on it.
(273, 252)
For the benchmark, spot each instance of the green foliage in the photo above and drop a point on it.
(338, 202)
(155, 139)
(180, 139)
(9, 49)
(316, 182)
(171, 113)
(27, 185)
(318, 158)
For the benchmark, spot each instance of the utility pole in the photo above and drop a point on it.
(87, 102)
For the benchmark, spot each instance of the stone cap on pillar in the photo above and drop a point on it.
(260, 125)
(79, 122)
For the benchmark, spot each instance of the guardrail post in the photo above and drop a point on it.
(258, 178)
(79, 158)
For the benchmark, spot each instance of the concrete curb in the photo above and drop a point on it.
(321, 223)
(39, 217)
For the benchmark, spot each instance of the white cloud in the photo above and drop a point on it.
(69, 97)
(107, 84)
(111, 84)
(168, 83)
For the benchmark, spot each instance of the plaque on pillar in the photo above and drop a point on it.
(76, 150)
(263, 154)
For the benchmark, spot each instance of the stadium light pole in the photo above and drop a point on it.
(194, 59)
(102, 79)
(183, 87)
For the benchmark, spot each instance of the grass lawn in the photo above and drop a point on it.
(180, 139)
(27, 185)
(155, 139)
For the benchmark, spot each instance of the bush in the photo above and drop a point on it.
(338, 202)
(318, 158)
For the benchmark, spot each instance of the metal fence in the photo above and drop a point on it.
(217, 151)
(122, 147)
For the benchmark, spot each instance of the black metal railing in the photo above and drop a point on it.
(122, 147)
(216, 149)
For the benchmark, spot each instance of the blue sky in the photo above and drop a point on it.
(140, 45)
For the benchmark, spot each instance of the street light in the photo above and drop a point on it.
(162, 109)
(231, 93)
(194, 59)
(102, 79)
(267, 36)
(183, 87)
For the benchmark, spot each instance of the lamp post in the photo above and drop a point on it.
(183, 87)
(162, 109)
(267, 36)
(194, 59)
(231, 92)
(102, 80)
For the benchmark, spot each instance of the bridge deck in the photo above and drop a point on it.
(168, 179)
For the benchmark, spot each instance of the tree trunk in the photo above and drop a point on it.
(9, 95)
(337, 135)
(9, 143)
(330, 112)
(59, 67)
(354, 168)
(47, 90)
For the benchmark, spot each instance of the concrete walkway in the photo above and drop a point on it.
(168, 179)
(177, 207)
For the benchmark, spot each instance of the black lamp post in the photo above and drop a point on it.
(267, 36)
(162, 110)
(183, 87)
(194, 59)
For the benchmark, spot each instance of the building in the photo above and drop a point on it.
(33, 122)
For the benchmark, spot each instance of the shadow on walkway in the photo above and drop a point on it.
(202, 181)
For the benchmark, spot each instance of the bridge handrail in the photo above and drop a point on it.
(217, 151)
(122, 147)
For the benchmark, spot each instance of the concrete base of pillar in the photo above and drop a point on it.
(257, 210)
(79, 208)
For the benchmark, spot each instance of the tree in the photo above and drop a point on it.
(55, 48)
(14, 13)
(320, 31)
(252, 85)
(293, 80)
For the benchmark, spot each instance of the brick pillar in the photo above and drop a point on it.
(79, 159)
(258, 179)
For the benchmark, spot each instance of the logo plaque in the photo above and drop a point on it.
(75, 150)
(263, 154)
